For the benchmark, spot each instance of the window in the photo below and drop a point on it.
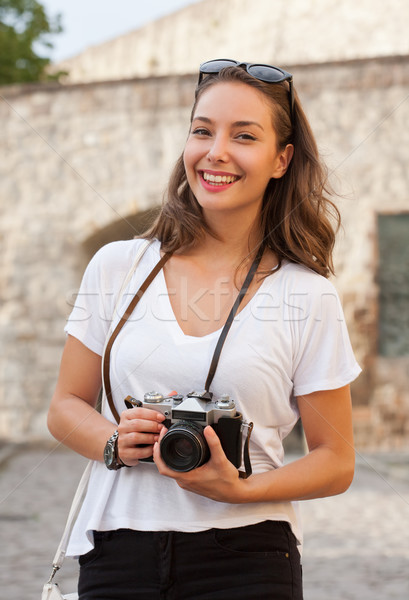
(393, 280)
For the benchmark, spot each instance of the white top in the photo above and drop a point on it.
(290, 339)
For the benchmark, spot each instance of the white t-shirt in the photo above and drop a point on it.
(290, 339)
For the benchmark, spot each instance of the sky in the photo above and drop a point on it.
(90, 22)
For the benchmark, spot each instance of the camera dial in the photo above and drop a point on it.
(153, 397)
(224, 402)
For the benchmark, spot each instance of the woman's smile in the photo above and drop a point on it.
(216, 180)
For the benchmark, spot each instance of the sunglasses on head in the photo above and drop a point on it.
(266, 73)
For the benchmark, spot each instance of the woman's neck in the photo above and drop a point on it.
(234, 240)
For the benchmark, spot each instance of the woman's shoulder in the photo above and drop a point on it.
(297, 278)
(306, 295)
(120, 255)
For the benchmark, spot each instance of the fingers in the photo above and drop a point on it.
(217, 478)
(162, 467)
(140, 420)
(147, 414)
(217, 456)
(213, 441)
(138, 431)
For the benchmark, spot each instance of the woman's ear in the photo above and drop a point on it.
(282, 161)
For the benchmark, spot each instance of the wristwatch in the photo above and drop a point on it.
(111, 458)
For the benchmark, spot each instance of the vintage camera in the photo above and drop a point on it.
(184, 446)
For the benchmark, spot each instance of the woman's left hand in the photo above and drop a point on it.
(218, 479)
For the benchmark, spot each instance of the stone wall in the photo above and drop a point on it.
(277, 32)
(76, 160)
(73, 161)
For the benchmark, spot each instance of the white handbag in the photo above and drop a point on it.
(51, 589)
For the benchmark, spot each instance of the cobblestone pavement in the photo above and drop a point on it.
(356, 545)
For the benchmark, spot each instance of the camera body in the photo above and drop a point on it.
(184, 446)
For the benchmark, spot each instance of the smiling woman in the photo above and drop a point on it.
(233, 276)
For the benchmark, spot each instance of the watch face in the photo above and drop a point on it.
(109, 454)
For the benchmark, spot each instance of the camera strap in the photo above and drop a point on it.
(218, 349)
(230, 318)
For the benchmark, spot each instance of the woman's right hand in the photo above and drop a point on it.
(138, 430)
(73, 420)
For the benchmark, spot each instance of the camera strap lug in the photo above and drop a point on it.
(53, 572)
(246, 455)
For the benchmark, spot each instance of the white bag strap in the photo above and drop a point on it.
(72, 515)
(83, 484)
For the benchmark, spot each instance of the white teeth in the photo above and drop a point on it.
(219, 179)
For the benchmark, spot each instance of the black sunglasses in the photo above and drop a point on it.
(266, 73)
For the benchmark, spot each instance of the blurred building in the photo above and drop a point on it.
(86, 162)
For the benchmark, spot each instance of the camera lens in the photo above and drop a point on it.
(184, 447)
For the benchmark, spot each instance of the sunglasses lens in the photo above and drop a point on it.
(266, 73)
(214, 66)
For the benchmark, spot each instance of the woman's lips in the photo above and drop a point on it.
(217, 180)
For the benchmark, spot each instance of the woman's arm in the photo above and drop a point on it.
(72, 417)
(325, 471)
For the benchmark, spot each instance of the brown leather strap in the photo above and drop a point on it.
(123, 320)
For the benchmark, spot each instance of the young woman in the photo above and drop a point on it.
(248, 194)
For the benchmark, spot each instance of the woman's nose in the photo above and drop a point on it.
(218, 151)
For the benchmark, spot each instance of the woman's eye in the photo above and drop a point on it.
(200, 131)
(246, 136)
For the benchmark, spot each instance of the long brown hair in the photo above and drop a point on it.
(298, 220)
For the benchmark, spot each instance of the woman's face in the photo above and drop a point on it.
(231, 152)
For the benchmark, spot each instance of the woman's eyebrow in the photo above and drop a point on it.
(247, 124)
(204, 119)
(235, 124)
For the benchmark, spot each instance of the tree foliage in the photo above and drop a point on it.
(24, 33)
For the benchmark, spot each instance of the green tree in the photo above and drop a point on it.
(24, 29)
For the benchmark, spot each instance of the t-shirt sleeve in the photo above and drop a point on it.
(324, 358)
(91, 316)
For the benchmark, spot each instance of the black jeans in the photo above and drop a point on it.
(257, 562)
